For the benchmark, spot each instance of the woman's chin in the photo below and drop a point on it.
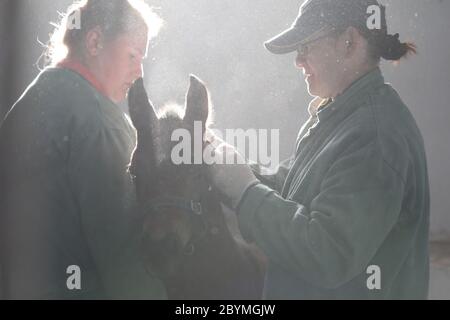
(310, 83)
(312, 90)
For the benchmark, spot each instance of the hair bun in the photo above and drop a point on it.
(394, 49)
(392, 38)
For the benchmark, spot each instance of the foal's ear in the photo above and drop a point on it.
(142, 113)
(197, 102)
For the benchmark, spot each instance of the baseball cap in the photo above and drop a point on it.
(315, 16)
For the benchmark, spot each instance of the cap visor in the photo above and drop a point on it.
(287, 41)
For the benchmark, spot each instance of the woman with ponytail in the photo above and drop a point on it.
(380, 43)
(347, 216)
(68, 215)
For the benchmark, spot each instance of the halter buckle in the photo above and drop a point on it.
(196, 207)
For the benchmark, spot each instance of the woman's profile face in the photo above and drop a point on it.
(120, 64)
(321, 67)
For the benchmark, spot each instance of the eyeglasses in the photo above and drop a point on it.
(305, 48)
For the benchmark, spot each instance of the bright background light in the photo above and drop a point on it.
(221, 42)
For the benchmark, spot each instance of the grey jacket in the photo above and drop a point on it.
(66, 196)
(354, 195)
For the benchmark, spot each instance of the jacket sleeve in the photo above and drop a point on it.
(274, 179)
(106, 199)
(332, 239)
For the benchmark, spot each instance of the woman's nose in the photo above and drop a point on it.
(139, 71)
(300, 60)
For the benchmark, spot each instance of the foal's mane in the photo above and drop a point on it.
(173, 112)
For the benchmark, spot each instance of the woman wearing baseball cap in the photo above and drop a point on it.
(347, 216)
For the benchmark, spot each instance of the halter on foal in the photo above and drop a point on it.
(185, 239)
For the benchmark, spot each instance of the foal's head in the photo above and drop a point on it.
(174, 197)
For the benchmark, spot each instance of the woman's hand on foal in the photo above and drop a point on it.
(231, 179)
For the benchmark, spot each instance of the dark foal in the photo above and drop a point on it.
(186, 240)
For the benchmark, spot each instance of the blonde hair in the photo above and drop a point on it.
(113, 17)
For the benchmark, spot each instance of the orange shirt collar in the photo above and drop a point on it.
(83, 71)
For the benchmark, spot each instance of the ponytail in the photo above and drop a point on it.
(385, 45)
(393, 49)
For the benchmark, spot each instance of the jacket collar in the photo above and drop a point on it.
(344, 103)
(83, 71)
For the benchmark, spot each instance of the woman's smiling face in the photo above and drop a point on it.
(321, 63)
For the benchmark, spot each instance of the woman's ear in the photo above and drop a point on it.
(351, 40)
(94, 41)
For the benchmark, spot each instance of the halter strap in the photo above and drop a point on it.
(194, 208)
(190, 206)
